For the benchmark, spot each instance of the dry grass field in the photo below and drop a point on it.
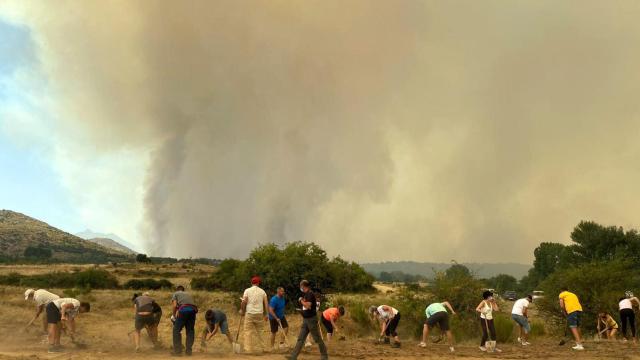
(105, 329)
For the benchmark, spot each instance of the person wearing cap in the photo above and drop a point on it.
(184, 316)
(309, 322)
(63, 310)
(42, 298)
(255, 308)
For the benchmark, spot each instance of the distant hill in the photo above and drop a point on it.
(428, 269)
(26, 238)
(89, 235)
(112, 244)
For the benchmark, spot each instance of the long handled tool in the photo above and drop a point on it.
(236, 346)
(564, 337)
(286, 338)
(489, 344)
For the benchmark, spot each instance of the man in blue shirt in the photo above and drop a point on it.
(277, 318)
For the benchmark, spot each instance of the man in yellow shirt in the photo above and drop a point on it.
(571, 307)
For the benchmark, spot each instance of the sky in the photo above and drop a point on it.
(405, 130)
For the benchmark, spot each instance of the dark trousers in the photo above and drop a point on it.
(187, 320)
(627, 316)
(484, 323)
(310, 326)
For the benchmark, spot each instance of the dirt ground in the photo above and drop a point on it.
(105, 330)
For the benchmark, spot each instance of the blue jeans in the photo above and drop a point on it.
(185, 319)
(522, 321)
(573, 319)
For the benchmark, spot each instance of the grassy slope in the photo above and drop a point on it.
(18, 231)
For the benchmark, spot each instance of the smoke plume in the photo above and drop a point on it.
(382, 130)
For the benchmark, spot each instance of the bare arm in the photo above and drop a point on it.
(39, 309)
(272, 311)
(494, 305)
(635, 299)
(525, 312)
(446, 303)
(243, 304)
(265, 306)
(480, 306)
(174, 307)
(71, 325)
(561, 301)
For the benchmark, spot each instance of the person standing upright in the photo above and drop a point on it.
(277, 318)
(184, 316)
(571, 307)
(309, 323)
(255, 308)
(627, 315)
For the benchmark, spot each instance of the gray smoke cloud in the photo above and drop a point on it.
(380, 130)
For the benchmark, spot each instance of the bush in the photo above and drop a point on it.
(148, 284)
(90, 279)
(285, 267)
(597, 285)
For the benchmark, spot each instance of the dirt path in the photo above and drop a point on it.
(31, 347)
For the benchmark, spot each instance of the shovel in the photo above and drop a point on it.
(236, 346)
(489, 344)
(286, 338)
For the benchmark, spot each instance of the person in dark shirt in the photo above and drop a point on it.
(216, 322)
(146, 317)
(309, 322)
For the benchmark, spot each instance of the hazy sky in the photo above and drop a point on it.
(382, 130)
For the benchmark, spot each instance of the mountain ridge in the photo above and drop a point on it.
(25, 238)
(428, 269)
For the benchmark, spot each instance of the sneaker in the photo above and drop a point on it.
(497, 350)
(422, 344)
(53, 349)
(482, 348)
(520, 340)
(525, 343)
(452, 349)
(578, 347)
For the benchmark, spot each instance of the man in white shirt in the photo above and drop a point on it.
(255, 308)
(64, 309)
(520, 316)
(42, 298)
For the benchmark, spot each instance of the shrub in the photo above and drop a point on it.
(285, 267)
(597, 285)
(148, 284)
(91, 279)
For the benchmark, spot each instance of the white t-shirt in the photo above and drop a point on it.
(519, 306)
(385, 314)
(255, 300)
(59, 303)
(487, 311)
(625, 304)
(43, 297)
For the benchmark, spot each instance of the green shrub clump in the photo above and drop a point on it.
(148, 284)
(87, 279)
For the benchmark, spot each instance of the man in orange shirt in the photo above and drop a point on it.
(329, 318)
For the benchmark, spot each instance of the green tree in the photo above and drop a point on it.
(503, 282)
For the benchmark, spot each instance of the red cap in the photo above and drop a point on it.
(255, 280)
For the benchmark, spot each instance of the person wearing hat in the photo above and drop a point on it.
(255, 308)
(42, 298)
